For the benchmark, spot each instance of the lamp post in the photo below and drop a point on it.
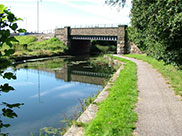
(38, 15)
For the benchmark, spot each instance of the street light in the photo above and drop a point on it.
(38, 15)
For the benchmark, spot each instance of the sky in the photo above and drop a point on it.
(59, 13)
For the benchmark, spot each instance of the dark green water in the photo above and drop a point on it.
(51, 89)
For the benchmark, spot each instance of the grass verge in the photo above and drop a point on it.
(116, 116)
(30, 46)
(171, 73)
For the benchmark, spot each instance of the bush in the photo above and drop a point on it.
(102, 47)
(157, 29)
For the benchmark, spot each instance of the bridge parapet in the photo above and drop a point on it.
(95, 31)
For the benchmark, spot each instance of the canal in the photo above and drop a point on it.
(51, 90)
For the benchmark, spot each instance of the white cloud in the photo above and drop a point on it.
(87, 12)
(17, 84)
(100, 9)
(72, 94)
(58, 88)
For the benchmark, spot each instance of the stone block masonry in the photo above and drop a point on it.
(66, 33)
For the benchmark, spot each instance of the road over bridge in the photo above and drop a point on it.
(78, 39)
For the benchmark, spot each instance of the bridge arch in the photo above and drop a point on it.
(78, 39)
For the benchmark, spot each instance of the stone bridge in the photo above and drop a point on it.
(69, 74)
(78, 39)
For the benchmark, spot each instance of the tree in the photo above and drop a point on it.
(158, 30)
(118, 3)
(156, 27)
(8, 24)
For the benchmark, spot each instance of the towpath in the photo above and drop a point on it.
(159, 110)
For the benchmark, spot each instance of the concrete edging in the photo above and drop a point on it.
(90, 113)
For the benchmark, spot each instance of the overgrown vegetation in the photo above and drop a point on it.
(171, 73)
(101, 65)
(103, 47)
(29, 46)
(158, 31)
(156, 28)
(116, 116)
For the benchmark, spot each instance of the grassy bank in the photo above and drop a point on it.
(171, 73)
(116, 116)
(30, 46)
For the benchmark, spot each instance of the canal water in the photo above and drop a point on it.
(51, 91)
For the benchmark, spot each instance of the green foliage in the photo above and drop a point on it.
(8, 22)
(29, 46)
(157, 28)
(118, 3)
(51, 44)
(27, 39)
(99, 62)
(6, 88)
(103, 47)
(172, 74)
(116, 116)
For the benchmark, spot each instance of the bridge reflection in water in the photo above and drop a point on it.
(69, 74)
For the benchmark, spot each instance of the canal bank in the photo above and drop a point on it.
(113, 108)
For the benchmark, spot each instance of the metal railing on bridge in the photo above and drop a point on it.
(92, 26)
(102, 38)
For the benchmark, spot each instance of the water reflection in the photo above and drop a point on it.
(68, 73)
(48, 91)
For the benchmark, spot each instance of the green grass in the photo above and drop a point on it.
(116, 116)
(29, 46)
(25, 39)
(106, 49)
(171, 73)
(102, 49)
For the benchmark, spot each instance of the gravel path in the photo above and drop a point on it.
(159, 110)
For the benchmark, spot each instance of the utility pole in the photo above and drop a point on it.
(25, 20)
(38, 15)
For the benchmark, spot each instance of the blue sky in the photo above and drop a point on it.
(55, 13)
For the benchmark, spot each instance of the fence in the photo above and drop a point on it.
(92, 26)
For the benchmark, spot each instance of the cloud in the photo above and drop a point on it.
(52, 90)
(72, 93)
(67, 12)
(99, 9)
(17, 84)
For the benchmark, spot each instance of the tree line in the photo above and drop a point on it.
(156, 28)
